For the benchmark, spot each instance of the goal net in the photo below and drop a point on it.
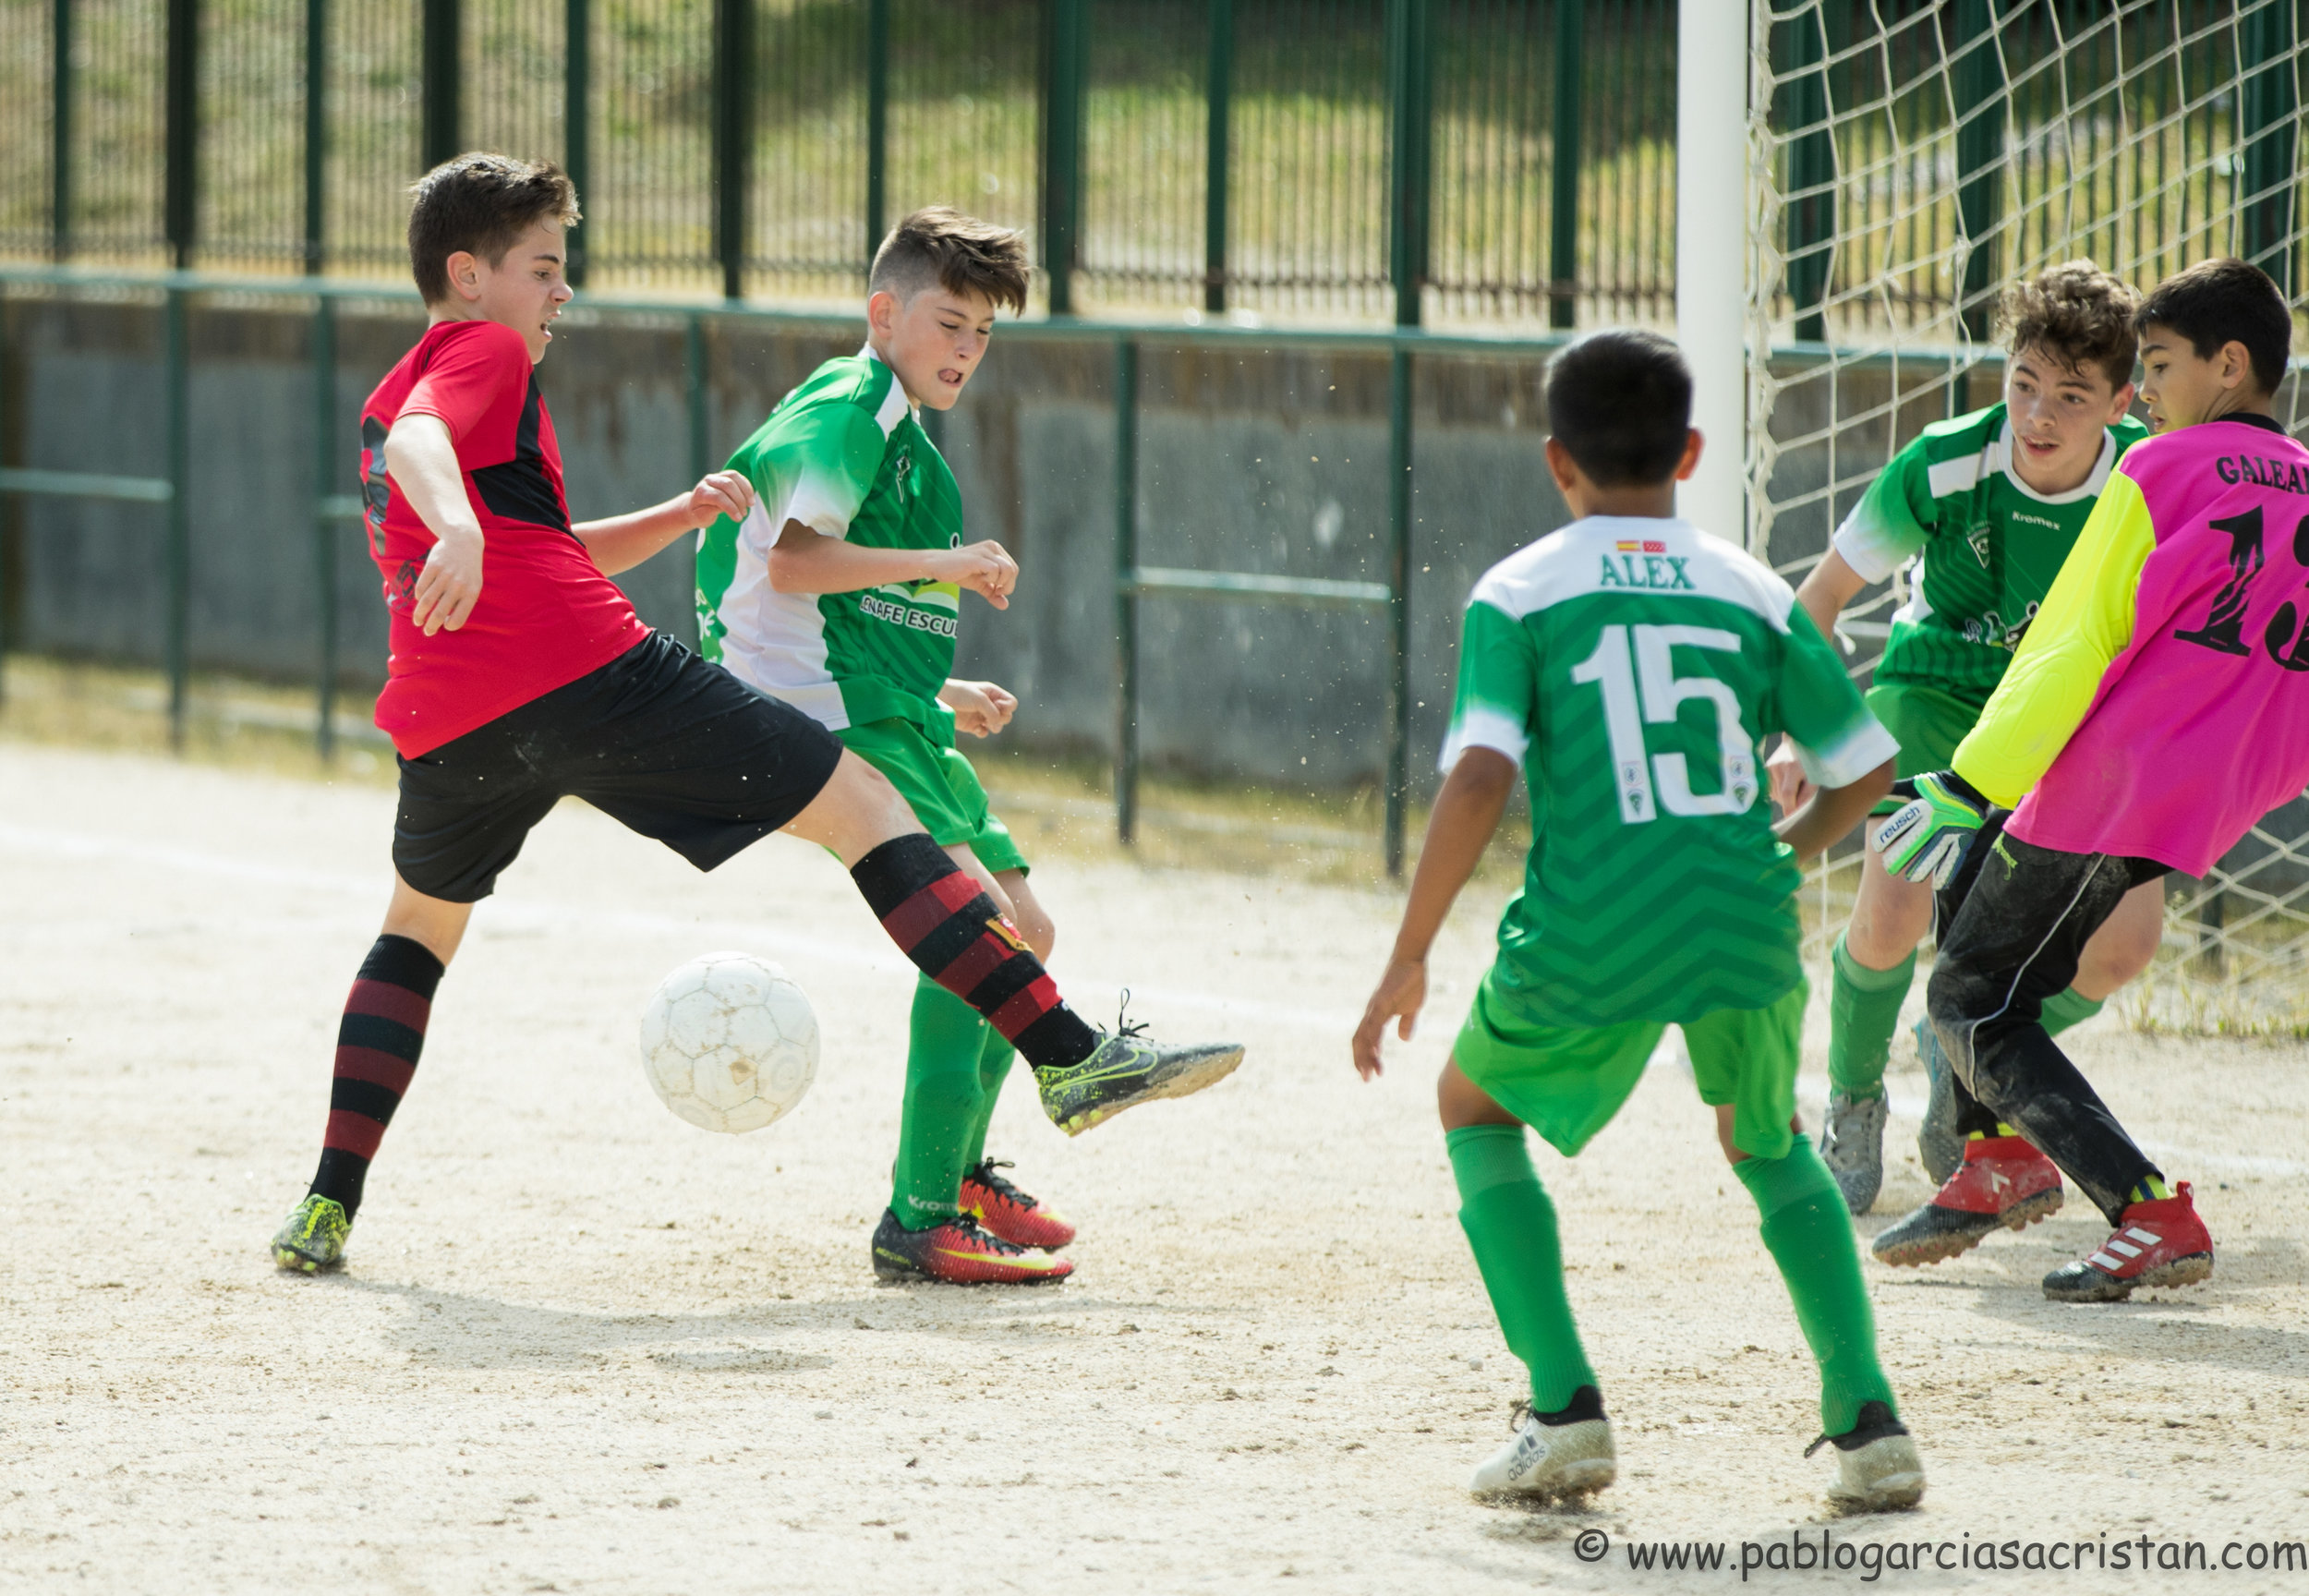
(1909, 158)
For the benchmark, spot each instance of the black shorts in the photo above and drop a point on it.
(657, 739)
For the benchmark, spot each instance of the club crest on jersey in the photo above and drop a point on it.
(1000, 925)
(1977, 540)
(1644, 565)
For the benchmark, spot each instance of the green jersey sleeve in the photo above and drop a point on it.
(1836, 740)
(829, 454)
(1894, 518)
(1497, 703)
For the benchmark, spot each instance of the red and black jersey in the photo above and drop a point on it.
(546, 616)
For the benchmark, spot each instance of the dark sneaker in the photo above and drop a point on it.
(1021, 1220)
(2004, 1182)
(958, 1253)
(1877, 1465)
(1852, 1145)
(1127, 1070)
(2157, 1243)
(1939, 1145)
(312, 1238)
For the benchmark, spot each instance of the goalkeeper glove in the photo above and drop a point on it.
(1926, 839)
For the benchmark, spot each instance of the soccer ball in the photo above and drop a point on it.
(728, 1042)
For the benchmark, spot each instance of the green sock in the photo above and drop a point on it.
(1511, 1226)
(2066, 1007)
(994, 1063)
(942, 1095)
(1809, 1235)
(1863, 1013)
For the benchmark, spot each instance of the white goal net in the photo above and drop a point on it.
(1908, 158)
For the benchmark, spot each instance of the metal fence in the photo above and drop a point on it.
(1403, 160)
(332, 513)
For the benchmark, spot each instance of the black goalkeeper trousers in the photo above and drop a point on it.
(2013, 924)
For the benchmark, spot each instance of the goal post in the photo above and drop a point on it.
(1711, 131)
(1904, 162)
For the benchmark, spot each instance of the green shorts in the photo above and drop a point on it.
(940, 786)
(1925, 722)
(1567, 1082)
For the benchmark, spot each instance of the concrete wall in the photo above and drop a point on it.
(1259, 463)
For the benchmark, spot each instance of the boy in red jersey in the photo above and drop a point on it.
(2157, 707)
(519, 674)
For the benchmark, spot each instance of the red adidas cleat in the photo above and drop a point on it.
(1009, 1213)
(2002, 1182)
(2161, 1242)
(958, 1253)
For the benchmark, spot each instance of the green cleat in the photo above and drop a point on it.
(312, 1238)
(1126, 1071)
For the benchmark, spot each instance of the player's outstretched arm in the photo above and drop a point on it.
(1832, 811)
(1467, 813)
(421, 458)
(1831, 584)
(806, 561)
(2056, 673)
(621, 542)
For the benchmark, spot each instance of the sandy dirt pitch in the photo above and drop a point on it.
(582, 1347)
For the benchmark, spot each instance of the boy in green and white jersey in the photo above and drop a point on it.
(839, 594)
(1630, 663)
(1983, 510)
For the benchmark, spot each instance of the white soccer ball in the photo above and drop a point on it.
(728, 1042)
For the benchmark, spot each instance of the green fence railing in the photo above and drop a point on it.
(1357, 159)
(329, 511)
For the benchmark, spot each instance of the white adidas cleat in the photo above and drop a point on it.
(1548, 1461)
(1878, 1467)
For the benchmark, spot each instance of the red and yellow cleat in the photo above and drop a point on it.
(1009, 1213)
(2160, 1242)
(2004, 1182)
(958, 1253)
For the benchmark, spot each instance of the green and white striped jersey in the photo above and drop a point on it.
(1633, 667)
(845, 455)
(1985, 545)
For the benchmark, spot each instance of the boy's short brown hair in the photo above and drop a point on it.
(2076, 313)
(480, 203)
(939, 247)
(2223, 301)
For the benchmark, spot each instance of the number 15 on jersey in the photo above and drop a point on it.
(1634, 668)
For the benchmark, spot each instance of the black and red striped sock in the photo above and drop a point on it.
(378, 1044)
(942, 920)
